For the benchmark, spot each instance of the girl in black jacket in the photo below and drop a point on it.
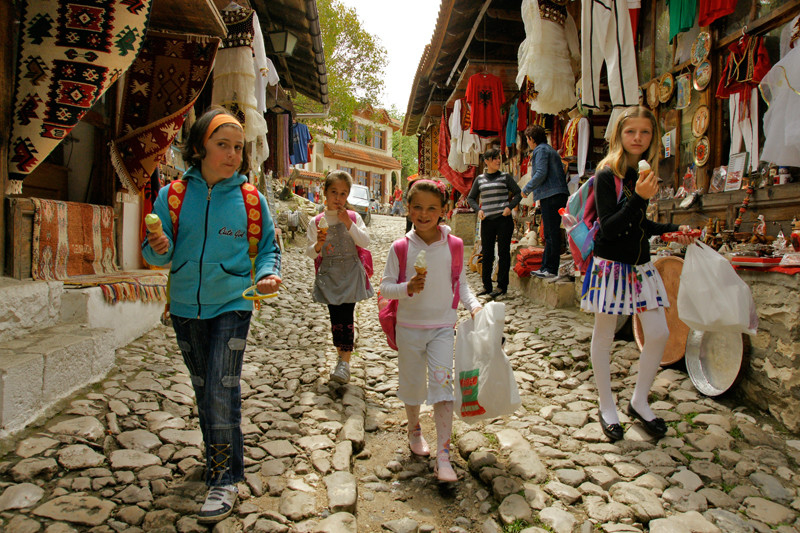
(622, 280)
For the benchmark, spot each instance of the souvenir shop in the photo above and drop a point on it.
(721, 78)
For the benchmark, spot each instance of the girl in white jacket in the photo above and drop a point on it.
(426, 320)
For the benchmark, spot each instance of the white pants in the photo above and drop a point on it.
(606, 36)
(746, 129)
(425, 365)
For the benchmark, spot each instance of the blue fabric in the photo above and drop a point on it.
(213, 350)
(547, 173)
(210, 260)
(300, 138)
(511, 124)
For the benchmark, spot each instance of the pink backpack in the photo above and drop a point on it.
(364, 255)
(387, 309)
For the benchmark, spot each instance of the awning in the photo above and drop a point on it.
(356, 155)
(308, 175)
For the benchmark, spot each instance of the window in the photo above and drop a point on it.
(362, 177)
(378, 139)
(344, 135)
(346, 169)
(361, 134)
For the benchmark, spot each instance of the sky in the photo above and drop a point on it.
(404, 28)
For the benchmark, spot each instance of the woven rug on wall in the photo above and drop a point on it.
(72, 239)
(69, 52)
(162, 85)
(133, 286)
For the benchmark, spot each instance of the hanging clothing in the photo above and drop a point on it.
(235, 80)
(460, 179)
(711, 10)
(634, 8)
(606, 36)
(781, 90)
(300, 139)
(576, 143)
(464, 146)
(547, 53)
(681, 16)
(485, 96)
(790, 36)
(260, 66)
(511, 125)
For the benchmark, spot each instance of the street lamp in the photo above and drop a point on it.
(283, 42)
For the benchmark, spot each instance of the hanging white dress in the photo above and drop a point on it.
(547, 54)
(235, 81)
(781, 90)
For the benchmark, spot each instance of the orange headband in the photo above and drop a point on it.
(216, 122)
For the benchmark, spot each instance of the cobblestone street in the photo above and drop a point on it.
(126, 455)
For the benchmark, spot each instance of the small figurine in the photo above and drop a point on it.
(760, 228)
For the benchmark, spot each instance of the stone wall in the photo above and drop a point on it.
(463, 226)
(772, 380)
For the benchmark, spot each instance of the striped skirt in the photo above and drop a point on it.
(617, 288)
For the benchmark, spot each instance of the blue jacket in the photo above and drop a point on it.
(547, 173)
(210, 261)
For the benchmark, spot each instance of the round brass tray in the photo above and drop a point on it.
(716, 361)
(670, 270)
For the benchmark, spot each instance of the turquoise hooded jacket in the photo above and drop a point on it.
(210, 261)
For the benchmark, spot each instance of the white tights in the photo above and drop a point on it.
(656, 332)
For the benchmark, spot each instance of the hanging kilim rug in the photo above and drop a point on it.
(69, 53)
(162, 85)
(131, 286)
(72, 239)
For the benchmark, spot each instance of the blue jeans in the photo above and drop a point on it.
(213, 350)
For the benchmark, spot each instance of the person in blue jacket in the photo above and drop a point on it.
(210, 270)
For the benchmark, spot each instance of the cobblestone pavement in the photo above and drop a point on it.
(126, 455)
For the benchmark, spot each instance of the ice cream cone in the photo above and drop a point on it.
(420, 270)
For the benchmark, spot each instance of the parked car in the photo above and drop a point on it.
(360, 199)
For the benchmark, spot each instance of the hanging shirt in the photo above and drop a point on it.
(485, 96)
(746, 65)
(300, 138)
(511, 125)
(711, 10)
(681, 16)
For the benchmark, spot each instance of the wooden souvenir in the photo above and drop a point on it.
(652, 94)
(701, 48)
(666, 86)
(702, 75)
(683, 87)
(702, 149)
(700, 121)
(670, 270)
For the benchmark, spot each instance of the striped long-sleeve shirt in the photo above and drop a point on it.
(494, 190)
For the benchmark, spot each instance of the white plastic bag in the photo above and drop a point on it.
(485, 384)
(711, 296)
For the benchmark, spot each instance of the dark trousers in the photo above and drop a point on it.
(213, 350)
(497, 229)
(552, 231)
(342, 325)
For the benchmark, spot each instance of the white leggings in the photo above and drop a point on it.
(656, 332)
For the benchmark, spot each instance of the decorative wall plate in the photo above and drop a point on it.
(701, 47)
(652, 95)
(666, 85)
(700, 121)
(702, 75)
(702, 149)
(683, 86)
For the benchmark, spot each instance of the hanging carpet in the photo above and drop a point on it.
(136, 286)
(72, 239)
(69, 52)
(162, 85)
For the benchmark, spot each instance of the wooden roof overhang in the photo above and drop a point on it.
(468, 35)
(201, 17)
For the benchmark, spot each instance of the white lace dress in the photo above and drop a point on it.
(781, 90)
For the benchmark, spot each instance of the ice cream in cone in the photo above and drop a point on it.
(421, 265)
(644, 167)
(153, 224)
(322, 227)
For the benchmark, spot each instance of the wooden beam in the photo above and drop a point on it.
(777, 17)
(475, 26)
(504, 14)
(7, 14)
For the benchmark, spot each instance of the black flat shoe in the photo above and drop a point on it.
(655, 428)
(484, 292)
(613, 431)
(496, 294)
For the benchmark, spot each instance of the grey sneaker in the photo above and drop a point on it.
(218, 505)
(342, 373)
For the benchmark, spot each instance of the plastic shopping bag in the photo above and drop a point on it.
(711, 296)
(485, 384)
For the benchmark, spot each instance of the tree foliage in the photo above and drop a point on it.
(355, 62)
(404, 147)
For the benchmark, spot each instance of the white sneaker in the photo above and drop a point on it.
(341, 373)
(219, 504)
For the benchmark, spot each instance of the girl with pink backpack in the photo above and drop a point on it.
(426, 317)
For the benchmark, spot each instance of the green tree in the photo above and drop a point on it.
(404, 148)
(355, 61)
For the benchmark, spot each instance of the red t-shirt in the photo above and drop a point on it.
(711, 10)
(485, 96)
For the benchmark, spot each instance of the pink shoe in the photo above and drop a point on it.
(417, 443)
(443, 469)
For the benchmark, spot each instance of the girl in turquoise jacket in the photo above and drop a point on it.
(205, 237)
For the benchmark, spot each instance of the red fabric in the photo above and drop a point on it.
(461, 181)
(523, 108)
(711, 10)
(634, 13)
(782, 270)
(730, 83)
(485, 96)
(504, 121)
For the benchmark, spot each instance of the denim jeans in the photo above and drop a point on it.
(213, 350)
